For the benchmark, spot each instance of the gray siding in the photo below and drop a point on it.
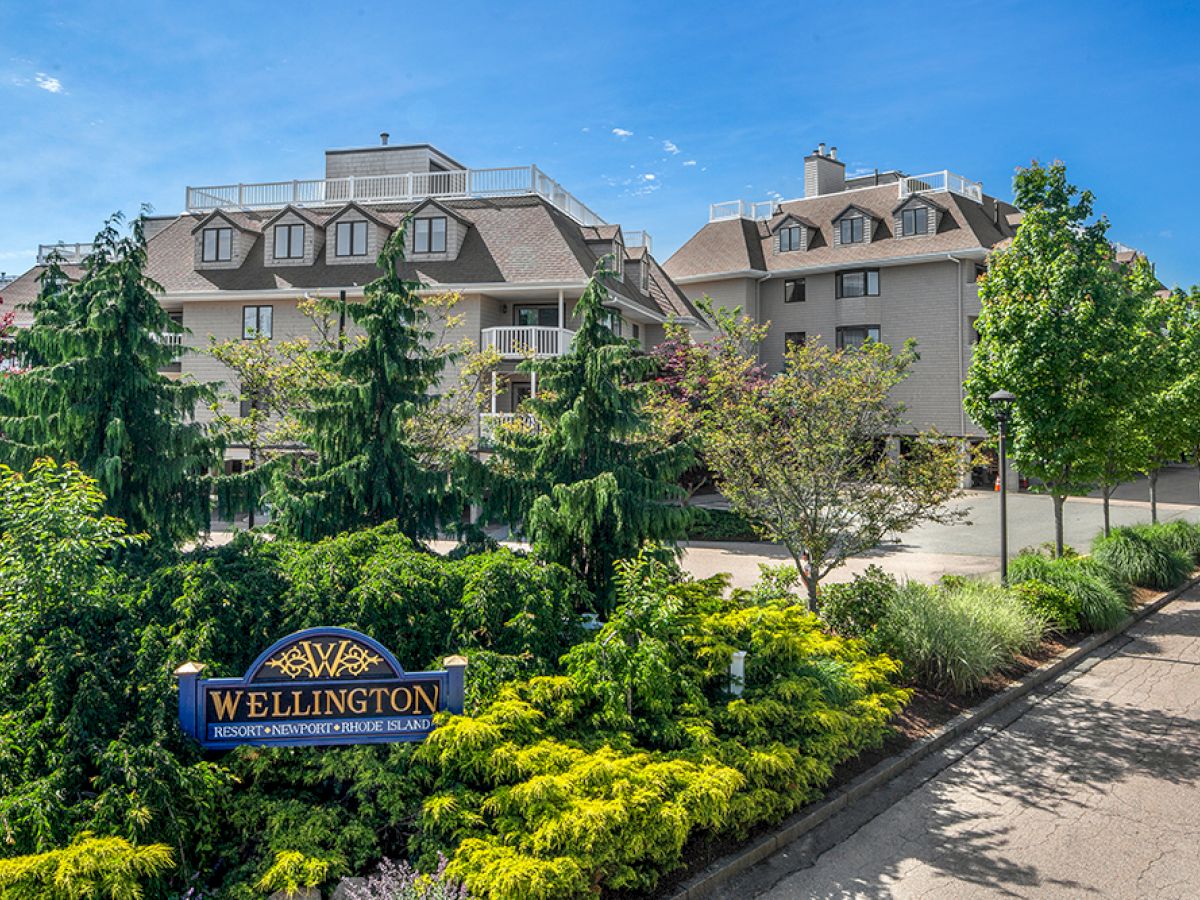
(385, 161)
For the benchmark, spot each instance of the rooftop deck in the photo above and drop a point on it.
(455, 184)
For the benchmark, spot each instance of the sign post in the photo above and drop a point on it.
(319, 687)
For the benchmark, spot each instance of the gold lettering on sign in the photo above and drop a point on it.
(226, 703)
(309, 659)
(258, 705)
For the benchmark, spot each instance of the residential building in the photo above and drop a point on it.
(879, 256)
(512, 242)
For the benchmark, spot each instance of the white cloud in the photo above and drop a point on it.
(622, 133)
(648, 177)
(689, 162)
(585, 129)
(48, 83)
(670, 147)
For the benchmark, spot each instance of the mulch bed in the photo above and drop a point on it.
(927, 712)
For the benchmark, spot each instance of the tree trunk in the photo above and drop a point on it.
(1059, 500)
(253, 466)
(807, 576)
(1153, 475)
(1108, 490)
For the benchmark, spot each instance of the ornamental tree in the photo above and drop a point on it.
(1056, 329)
(94, 395)
(802, 456)
(590, 483)
(369, 467)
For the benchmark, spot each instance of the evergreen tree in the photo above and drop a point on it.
(370, 468)
(93, 393)
(590, 484)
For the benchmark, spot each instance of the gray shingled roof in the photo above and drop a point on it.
(741, 245)
(511, 240)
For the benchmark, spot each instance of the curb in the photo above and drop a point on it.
(704, 883)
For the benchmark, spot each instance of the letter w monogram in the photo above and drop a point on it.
(324, 659)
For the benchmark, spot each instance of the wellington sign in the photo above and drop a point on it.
(318, 687)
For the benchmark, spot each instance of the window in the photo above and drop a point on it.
(247, 405)
(256, 322)
(289, 241)
(536, 316)
(429, 235)
(973, 323)
(636, 330)
(856, 335)
(862, 283)
(351, 239)
(978, 272)
(217, 245)
(789, 238)
(852, 230)
(794, 291)
(915, 220)
(794, 339)
(618, 260)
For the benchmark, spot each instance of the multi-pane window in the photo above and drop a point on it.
(793, 291)
(256, 322)
(856, 335)
(852, 230)
(789, 238)
(977, 272)
(217, 245)
(915, 220)
(429, 235)
(794, 339)
(351, 239)
(618, 260)
(289, 241)
(860, 283)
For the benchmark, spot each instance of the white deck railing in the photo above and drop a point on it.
(455, 184)
(520, 341)
(70, 253)
(944, 180)
(639, 239)
(740, 209)
(490, 423)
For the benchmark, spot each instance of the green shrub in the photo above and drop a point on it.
(1141, 559)
(1060, 608)
(721, 525)
(1103, 603)
(856, 608)
(952, 639)
(91, 868)
(1179, 535)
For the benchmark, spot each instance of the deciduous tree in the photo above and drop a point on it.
(1057, 324)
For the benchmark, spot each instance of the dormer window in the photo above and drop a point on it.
(618, 260)
(789, 238)
(852, 230)
(915, 221)
(429, 235)
(289, 241)
(217, 245)
(351, 239)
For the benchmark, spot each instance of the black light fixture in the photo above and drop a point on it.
(1002, 402)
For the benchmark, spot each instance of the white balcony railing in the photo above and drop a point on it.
(741, 209)
(490, 423)
(455, 184)
(639, 239)
(70, 253)
(942, 181)
(520, 341)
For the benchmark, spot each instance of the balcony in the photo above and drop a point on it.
(941, 181)
(72, 254)
(456, 184)
(523, 341)
(491, 423)
(741, 209)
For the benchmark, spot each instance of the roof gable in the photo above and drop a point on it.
(791, 219)
(224, 217)
(307, 217)
(853, 208)
(440, 207)
(365, 213)
(918, 198)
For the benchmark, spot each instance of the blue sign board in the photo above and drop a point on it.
(319, 687)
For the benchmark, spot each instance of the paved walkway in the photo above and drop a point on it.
(1092, 790)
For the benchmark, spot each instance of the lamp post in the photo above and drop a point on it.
(1002, 404)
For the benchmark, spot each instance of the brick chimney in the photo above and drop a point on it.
(824, 173)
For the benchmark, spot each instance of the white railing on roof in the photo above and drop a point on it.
(740, 209)
(520, 341)
(70, 253)
(454, 184)
(639, 239)
(944, 180)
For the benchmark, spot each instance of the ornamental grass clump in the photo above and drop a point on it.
(1142, 559)
(1104, 602)
(1061, 609)
(1178, 535)
(952, 638)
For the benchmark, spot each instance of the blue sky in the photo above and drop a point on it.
(647, 111)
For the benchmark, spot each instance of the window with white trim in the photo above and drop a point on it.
(216, 245)
(289, 241)
(350, 239)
